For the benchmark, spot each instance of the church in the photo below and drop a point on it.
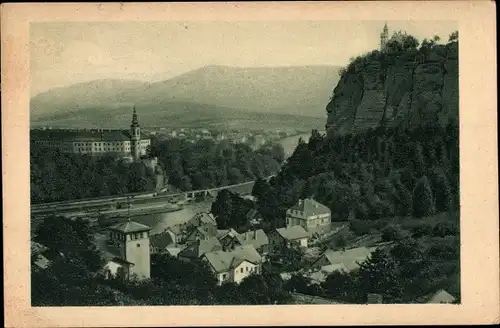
(123, 143)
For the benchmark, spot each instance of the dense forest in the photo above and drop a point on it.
(57, 176)
(378, 173)
(208, 163)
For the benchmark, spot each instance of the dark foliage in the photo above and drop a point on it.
(207, 163)
(57, 176)
(370, 175)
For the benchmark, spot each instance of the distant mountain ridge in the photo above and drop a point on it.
(296, 90)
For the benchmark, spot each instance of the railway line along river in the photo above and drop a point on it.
(160, 222)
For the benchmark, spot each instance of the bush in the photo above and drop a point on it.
(443, 229)
(392, 233)
(421, 231)
(363, 227)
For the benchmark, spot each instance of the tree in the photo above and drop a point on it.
(443, 229)
(340, 285)
(297, 283)
(423, 200)
(410, 42)
(71, 238)
(379, 274)
(442, 191)
(222, 209)
(403, 200)
(392, 233)
(453, 37)
(316, 140)
(259, 188)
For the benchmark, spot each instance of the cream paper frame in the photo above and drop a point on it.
(478, 165)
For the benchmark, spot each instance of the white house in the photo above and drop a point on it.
(235, 265)
(311, 215)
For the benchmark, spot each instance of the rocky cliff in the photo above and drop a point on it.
(410, 88)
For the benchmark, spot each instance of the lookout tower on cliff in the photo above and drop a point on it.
(384, 37)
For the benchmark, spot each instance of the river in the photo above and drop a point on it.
(160, 222)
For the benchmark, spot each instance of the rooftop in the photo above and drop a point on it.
(441, 296)
(203, 217)
(257, 238)
(309, 299)
(130, 226)
(197, 248)
(292, 233)
(176, 229)
(223, 261)
(350, 258)
(161, 240)
(310, 207)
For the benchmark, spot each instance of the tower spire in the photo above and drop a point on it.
(135, 121)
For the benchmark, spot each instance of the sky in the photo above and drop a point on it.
(64, 53)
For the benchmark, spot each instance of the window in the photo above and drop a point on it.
(247, 269)
(138, 245)
(223, 276)
(241, 270)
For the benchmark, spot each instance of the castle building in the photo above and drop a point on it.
(128, 251)
(124, 143)
(384, 37)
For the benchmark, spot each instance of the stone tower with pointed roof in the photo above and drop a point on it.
(135, 137)
(384, 37)
(132, 241)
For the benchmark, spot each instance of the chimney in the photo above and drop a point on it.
(255, 234)
(374, 298)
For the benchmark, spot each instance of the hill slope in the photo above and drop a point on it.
(277, 90)
(174, 114)
(286, 90)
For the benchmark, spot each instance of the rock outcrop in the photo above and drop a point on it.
(411, 88)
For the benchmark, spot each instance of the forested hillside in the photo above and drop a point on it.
(207, 163)
(57, 176)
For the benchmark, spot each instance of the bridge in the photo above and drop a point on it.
(101, 203)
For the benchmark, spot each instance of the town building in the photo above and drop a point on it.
(440, 297)
(235, 265)
(202, 233)
(96, 142)
(311, 215)
(257, 238)
(204, 220)
(196, 249)
(282, 238)
(128, 251)
(177, 233)
(345, 260)
(160, 242)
